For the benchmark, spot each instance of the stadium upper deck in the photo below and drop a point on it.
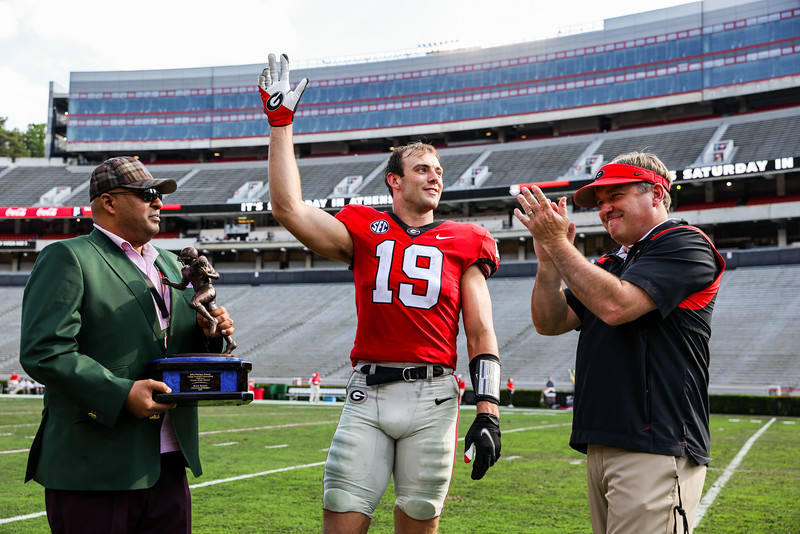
(711, 87)
(696, 59)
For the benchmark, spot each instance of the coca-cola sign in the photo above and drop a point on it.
(43, 212)
(16, 212)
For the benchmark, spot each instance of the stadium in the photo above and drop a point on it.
(711, 87)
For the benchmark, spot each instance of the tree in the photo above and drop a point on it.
(15, 144)
(34, 140)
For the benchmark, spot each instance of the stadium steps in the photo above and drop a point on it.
(766, 138)
(24, 186)
(677, 148)
(321, 177)
(533, 164)
(210, 185)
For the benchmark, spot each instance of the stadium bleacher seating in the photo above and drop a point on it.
(722, 203)
(754, 341)
(773, 199)
(675, 85)
(24, 185)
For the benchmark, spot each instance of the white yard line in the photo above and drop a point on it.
(713, 492)
(21, 517)
(287, 425)
(13, 451)
(262, 473)
(536, 427)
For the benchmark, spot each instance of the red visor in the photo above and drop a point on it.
(615, 174)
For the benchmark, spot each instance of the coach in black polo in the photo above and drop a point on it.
(644, 315)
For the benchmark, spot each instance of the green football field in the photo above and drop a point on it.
(264, 462)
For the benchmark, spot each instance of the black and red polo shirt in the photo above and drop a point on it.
(643, 386)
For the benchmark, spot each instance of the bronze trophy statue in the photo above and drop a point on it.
(198, 271)
(203, 379)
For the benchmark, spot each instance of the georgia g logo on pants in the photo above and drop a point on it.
(357, 396)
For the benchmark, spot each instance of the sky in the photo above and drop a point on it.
(44, 40)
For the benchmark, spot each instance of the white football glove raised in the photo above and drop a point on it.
(279, 101)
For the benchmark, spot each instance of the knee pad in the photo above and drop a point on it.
(338, 500)
(418, 509)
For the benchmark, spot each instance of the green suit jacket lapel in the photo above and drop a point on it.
(129, 274)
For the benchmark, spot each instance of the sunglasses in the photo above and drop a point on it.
(148, 195)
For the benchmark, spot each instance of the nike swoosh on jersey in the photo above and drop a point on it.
(439, 401)
(440, 237)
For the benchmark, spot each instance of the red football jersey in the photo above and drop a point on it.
(408, 284)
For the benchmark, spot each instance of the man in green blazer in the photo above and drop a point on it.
(95, 314)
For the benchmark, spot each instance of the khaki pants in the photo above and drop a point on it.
(635, 492)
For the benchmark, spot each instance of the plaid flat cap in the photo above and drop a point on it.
(126, 172)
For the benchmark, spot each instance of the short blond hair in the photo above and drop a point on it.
(395, 163)
(650, 161)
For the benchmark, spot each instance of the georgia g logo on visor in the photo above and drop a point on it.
(599, 174)
(357, 396)
(274, 101)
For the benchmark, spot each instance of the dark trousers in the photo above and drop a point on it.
(166, 508)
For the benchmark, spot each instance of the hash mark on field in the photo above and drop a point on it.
(513, 457)
(224, 444)
(276, 446)
(711, 495)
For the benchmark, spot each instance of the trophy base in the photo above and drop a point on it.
(203, 380)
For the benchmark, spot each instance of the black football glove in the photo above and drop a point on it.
(485, 435)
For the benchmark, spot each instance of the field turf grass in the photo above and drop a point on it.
(264, 463)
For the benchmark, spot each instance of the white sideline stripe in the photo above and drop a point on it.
(242, 477)
(21, 517)
(711, 494)
(13, 451)
(287, 425)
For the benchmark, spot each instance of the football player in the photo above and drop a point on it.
(414, 276)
